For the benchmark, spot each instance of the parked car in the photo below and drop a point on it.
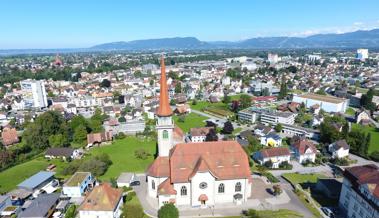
(327, 212)
(135, 183)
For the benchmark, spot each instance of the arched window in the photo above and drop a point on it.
(165, 134)
(153, 184)
(183, 191)
(238, 187)
(221, 188)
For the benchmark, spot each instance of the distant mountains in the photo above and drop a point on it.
(366, 39)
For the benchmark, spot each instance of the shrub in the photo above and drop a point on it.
(132, 211)
(168, 211)
(121, 135)
(130, 196)
(71, 212)
(375, 155)
(141, 154)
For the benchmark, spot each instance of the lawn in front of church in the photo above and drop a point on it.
(191, 120)
(122, 154)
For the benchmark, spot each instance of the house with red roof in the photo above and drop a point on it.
(9, 136)
(304, 150)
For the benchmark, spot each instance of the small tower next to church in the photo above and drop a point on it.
(165, 124)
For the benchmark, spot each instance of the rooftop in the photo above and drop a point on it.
(77, 178)
(326, 98)
(35, 180)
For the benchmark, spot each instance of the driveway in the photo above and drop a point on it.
(260, 199)
(297, 167)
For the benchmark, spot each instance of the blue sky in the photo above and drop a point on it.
(83, 23)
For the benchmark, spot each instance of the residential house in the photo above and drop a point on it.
(199, 134)
(362, 117)
(41, 207)
(64, 153)
(78, 184)
(274, 155)
(42, 181)
(103, 201)
(98, 138)
(5, 201)
(9, 136)
(339, 149)
(272, 139)
(304, 150)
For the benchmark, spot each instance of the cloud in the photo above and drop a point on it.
(358, 23)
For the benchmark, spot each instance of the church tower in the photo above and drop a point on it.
(165, 124)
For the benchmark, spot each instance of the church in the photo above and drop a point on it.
(195, 174)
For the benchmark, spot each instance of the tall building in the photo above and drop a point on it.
(362, 54)
(165, 125)
(195, 174)
(273, 58)
(34, 93)
(360, 192)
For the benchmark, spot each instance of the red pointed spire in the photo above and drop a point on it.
(164, 109)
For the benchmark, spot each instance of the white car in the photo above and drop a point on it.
(328, 212)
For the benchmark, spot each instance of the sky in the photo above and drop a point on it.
(84, 23)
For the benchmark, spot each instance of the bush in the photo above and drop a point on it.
(121, 135)
(285, 165)
(130, 196)
(375, 155)
(132, 211)
(168, 211)
(71, 212)
(141, 154)
(270, 177)
(341, 161)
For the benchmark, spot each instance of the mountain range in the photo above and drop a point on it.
(361, 38)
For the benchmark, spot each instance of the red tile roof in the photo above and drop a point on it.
(9, 136)
(303, 145)
(99, 137)
(225, 160)
(166, 188)
(275, 152)
(159, 168)
(102, 198)
(362, 175)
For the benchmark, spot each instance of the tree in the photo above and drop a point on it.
(245, 101)
(178, 88)
(277, 190)
(194, 102)
(226, 99)
(228, 128)
(96, 167)
(78, 120)
(105, 83)
(113, 182)
(182, 118)
(211, 136)
(80, 134)
(278, 127)
(168, 211)
(58, 140)
(283, 89)
(173, 75)
(71, 211)
(137, 74)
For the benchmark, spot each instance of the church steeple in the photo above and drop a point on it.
(164, 109)
(165, 125)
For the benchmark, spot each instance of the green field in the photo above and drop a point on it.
(374, 142)
(11, 177)
(297, 178)
(191, 120)
(203, 104)
(121, 153)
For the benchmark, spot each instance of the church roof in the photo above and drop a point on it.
(166, 188)
(164, 108)
(223, 159)
(159, 168)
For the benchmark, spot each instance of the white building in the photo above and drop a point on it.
(274, 117)
(104, 201)
(125, 179)
(362, 54)
(195, 174)
(359, 196)
(247, 115)
(304, 151)
(34, 93)
(199, 134)
(272, 58)
(78, 184)
(339, 149)
(275, 155)
(327, 103)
